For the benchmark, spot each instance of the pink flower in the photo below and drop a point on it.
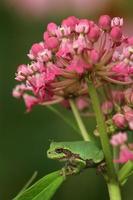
(125, 155)
(107, 107)
(83, 26)
(82, 103)
(118, 139)
(71, 22)
(44, 56)
(52, 42)
(129, 96)
(121, 69)
(35, 49)
(78, 65)
(117, 21)
(73, 51)
(62, 31)
(118, 96)
(130, 40)
(129, 115)
(30, 101)
(94, 56)
(22, 72)
(19, 90)
(119, 120)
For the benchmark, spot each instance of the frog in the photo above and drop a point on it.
(77, 155)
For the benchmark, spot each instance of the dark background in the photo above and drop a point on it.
(24, 138)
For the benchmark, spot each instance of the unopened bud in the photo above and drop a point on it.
(119, 120)
(105, 22)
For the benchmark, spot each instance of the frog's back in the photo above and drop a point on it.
(86, 150)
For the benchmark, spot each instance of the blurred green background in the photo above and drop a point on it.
(25, 137)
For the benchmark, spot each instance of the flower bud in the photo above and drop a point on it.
(46, 35)
(107, 107)
(116, 34)
(94, 33)
(105, 22)
(51, 27)
(52, 42)
(71, 22)
(119, 120)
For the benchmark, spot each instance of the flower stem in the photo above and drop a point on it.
(125, 171)
(113, 185)
(114, 191)
(102, 129)
(115, 155)
(79, 120)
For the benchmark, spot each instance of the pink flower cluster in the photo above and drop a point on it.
(126, 150)
(70, 53)
(119, 109)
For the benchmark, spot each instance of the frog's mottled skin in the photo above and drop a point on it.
(78, 155)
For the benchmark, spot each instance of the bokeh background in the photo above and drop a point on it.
(24, 138)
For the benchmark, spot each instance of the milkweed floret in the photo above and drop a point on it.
(120, 140)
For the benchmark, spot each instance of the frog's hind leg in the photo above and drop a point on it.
(101, 168)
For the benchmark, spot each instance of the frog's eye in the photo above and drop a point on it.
(58, 150)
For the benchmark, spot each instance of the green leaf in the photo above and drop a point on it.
(43, 189)
(49, 191)
(27, 184)
(125, 172)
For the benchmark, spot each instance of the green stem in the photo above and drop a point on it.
(27, 184)
(114, 191)
(102, 130)
(113, 185)
(115, 156)
(125, 171)
(80, 123)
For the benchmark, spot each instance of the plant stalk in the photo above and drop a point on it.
(113, 185)
(114, 191)
(79, 120)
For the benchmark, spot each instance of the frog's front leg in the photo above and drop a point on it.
(77, 165)
(68, 169)
(73, 166)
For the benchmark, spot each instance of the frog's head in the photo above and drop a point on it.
(57, 151)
